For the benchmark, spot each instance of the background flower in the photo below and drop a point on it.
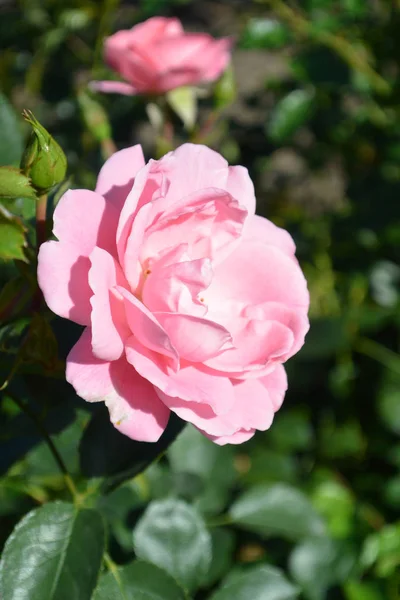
(157, 56)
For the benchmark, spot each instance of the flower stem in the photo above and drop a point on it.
(56, 455)
(41, 209)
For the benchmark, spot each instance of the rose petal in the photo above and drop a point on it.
(256, 273)
(63, 279)
(108, 319)
(117, 175)
(276, 384)
(135, 408)
(252, 409)
(84, 219)
(256, 345)
(209, 221)
(241, 187)
(195, 339)
(189, 383)
(113, 87)
(238, 437)
(146, 328)
(262, 230)
(176, 287)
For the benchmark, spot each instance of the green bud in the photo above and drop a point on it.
(43, 160)
(14, 184)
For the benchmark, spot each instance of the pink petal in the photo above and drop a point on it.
(183, 52)
(263, 230)
(154, 27)
(193, 167)
(210, 221)
(134, 407)
(216, 59)
(256, 273)
(84, 219)
(195, 339)
(113, 87)
(189, 383)
(256, 345)
(243, 435)
(252, 409)
(146, 328)
(108, 319)
(241, 187)
(176, 287)
(145, 187)
(131, 256)
(117, 175)
(276, 384)
(63, 279)
(292, 318)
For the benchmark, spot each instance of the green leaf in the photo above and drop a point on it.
(277, 510)
(291, 431)
(138, 581)
(183, 101)
(382, 550)
(12, 236)
(116, 508)
(355, 8)
(203, 468)
(258, 583)
(265, 33)
(318, 563)
(356, 590)
(11, 141)
(192, 452)
(172, 535)
(54, 553)
(14, 184)
(269, 466)
(223, 546)
(293, 111)
(337, 505)
(104, 451)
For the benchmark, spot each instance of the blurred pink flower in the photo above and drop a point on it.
(191, 302)
(157, 56)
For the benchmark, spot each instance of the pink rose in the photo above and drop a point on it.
(157, 55)
(191, 302)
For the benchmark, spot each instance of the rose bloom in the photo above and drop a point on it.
(157, 56)
(190, 301)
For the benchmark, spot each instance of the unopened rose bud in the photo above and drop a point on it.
(43, 160)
